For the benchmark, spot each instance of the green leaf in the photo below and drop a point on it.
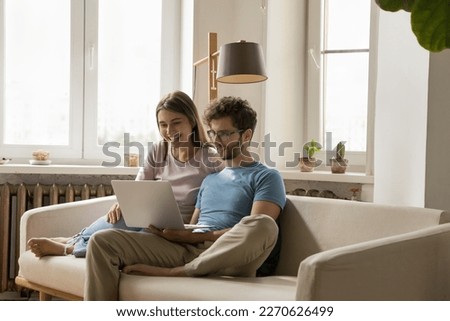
(396, 5)
(311, 148)
(430, 22)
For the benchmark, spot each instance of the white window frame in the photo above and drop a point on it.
(83, 83)
(360, 161)
(169, 73)
(74, 148)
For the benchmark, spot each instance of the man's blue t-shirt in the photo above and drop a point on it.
(227, 196)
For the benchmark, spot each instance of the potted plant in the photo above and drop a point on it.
(308, 162)
(339, 163)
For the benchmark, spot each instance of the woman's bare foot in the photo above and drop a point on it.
(143, 269)
(46, 246)
(61, 239)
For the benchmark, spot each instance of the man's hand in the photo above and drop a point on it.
(114, 214)
(178, 236)
(186, 236)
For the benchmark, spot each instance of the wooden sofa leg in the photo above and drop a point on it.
(44, 296)
(45, 293)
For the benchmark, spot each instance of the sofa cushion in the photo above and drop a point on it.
(62, 273)
(271, 288)
(66, 274)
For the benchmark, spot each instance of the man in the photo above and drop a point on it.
(240, 204)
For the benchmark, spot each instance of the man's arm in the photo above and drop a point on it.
(265, 207)
(186, 236)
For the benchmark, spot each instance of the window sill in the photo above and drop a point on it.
(67, 169)
(322, 176)
(327, 176)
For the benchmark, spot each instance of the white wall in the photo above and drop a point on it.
(285, 88)
(187, 45)
(400, 113)
(171, 33)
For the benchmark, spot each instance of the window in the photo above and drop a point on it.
(339, 37)
(36, 73)
(79, 74)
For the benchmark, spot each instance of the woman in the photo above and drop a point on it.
(183, 158)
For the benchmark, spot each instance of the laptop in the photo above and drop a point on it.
(145, 203)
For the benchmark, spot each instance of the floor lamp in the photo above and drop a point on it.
(236, 63)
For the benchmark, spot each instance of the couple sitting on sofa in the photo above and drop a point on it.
(240, 203)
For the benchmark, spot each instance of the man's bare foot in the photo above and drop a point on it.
(45, 246)
(143, 269)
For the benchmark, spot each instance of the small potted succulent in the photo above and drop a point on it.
(308, 162)
(339, 163)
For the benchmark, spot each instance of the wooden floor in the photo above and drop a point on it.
(18, 296)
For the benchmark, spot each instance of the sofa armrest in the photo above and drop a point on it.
(63, 219)
(411, 266)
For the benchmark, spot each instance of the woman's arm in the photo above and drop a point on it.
(195, 216)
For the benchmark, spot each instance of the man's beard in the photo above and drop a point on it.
(230, 151)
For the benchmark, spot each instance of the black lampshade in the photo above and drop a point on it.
(241, 62)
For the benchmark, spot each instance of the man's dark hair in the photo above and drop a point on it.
(242, 115)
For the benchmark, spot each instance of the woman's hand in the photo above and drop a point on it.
(114, 214)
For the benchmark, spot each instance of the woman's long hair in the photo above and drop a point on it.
(179, 102)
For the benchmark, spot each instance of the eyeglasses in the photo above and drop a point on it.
(222, 134)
